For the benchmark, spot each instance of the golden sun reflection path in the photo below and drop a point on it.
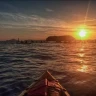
(80, 60)
(83, 66)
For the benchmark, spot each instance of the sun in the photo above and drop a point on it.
(82, 33)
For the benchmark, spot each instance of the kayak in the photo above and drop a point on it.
(46, 85)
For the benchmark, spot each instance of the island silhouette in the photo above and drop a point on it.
(65, 38)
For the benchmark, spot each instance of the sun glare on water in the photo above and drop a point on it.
(83, 68)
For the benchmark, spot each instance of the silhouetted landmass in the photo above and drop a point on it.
(65, 38)
(17, 41)
(50, 39)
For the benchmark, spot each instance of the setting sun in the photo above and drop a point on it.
(82, 33)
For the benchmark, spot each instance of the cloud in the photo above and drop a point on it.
(33, 24)
(34, 28)
(88, 20)
(29, 20)
(49, 10)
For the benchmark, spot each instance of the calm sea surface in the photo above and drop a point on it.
(73, 64)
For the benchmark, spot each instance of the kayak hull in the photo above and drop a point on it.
(46, 85)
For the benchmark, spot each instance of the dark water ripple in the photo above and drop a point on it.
(74, 65)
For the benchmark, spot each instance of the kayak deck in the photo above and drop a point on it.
(46, 85)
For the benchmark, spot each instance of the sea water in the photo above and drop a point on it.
(73, 64)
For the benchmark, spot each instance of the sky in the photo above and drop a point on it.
(38, 19)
